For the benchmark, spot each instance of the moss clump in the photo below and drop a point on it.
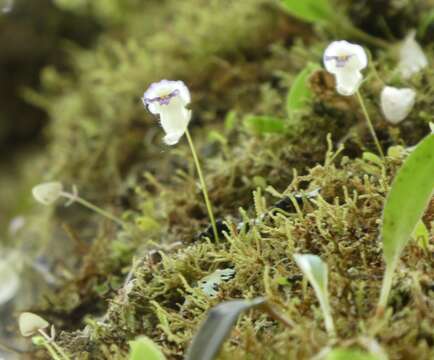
(144, 279)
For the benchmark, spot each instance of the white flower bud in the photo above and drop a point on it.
(411, 57)
(396, 103)
(30, 323)
(345, 61)
(47, 193)
(169, 99)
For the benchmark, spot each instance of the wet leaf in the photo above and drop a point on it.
(408, 197)
(309, 10)
(217, 327)
(145, 349)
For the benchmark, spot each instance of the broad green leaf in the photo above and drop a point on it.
(265, 124)
(300, 91)
(144, 348)
(349, 354)
(216, 327)
(408, 197)
(316, 272)
(310, 10)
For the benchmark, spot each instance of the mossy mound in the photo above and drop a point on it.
(239, 59)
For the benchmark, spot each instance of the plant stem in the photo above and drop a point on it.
(361, 35)
(87, 204)
(328, 319)
(370, 126)
(203, 186)
(47, 344)
(386, 287)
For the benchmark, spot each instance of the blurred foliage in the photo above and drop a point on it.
(239, 59)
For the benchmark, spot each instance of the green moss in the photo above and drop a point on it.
(117, 285)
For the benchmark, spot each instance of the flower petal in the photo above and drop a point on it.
(412, 57)
(348, 82)
(396, 103)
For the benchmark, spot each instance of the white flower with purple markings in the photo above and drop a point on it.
(345, 61)
(169, 100)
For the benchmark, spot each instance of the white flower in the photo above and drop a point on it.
(411, 56)
(169, 99)
(30, 323)
(47, 193)
(345, 61)
(396, 103)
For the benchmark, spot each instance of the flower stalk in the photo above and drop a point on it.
(203, 185)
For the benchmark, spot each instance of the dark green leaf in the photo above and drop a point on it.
(216, 328)
(410, 193)
(265, 124)
(310, 10)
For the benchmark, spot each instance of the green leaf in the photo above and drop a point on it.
(216, 328)
(421, 235)
(316, 272)
(300, 92)
(346, 354)
(265, 124)
(310, 10)
(408, 197)
(144, 348)
(426, 21)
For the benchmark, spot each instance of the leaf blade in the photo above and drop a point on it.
(216, 327)
(145, 348)
(300, 93)
(408, 197)
(265, 124)
(309, 10)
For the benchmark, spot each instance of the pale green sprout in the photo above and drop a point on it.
(48, 193)
(410, 193)
(144, 348)
(316, 272)
(31, 324)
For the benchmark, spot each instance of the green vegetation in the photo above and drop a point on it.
(289, 168)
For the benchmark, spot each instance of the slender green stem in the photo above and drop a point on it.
(386, 287)
(87, 204)
(203, 186)
(369, 122)
(361, 35)
(47, 343)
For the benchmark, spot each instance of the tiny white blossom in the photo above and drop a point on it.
(396, 103)
(47, 193)
(345, 61)
(412, 59)
(169, 100)
(30, 323)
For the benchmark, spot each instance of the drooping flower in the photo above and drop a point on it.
(169, 100)
(396, 103)
(30, 323)
(412, 59)
(345, 61)
(47, 193)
